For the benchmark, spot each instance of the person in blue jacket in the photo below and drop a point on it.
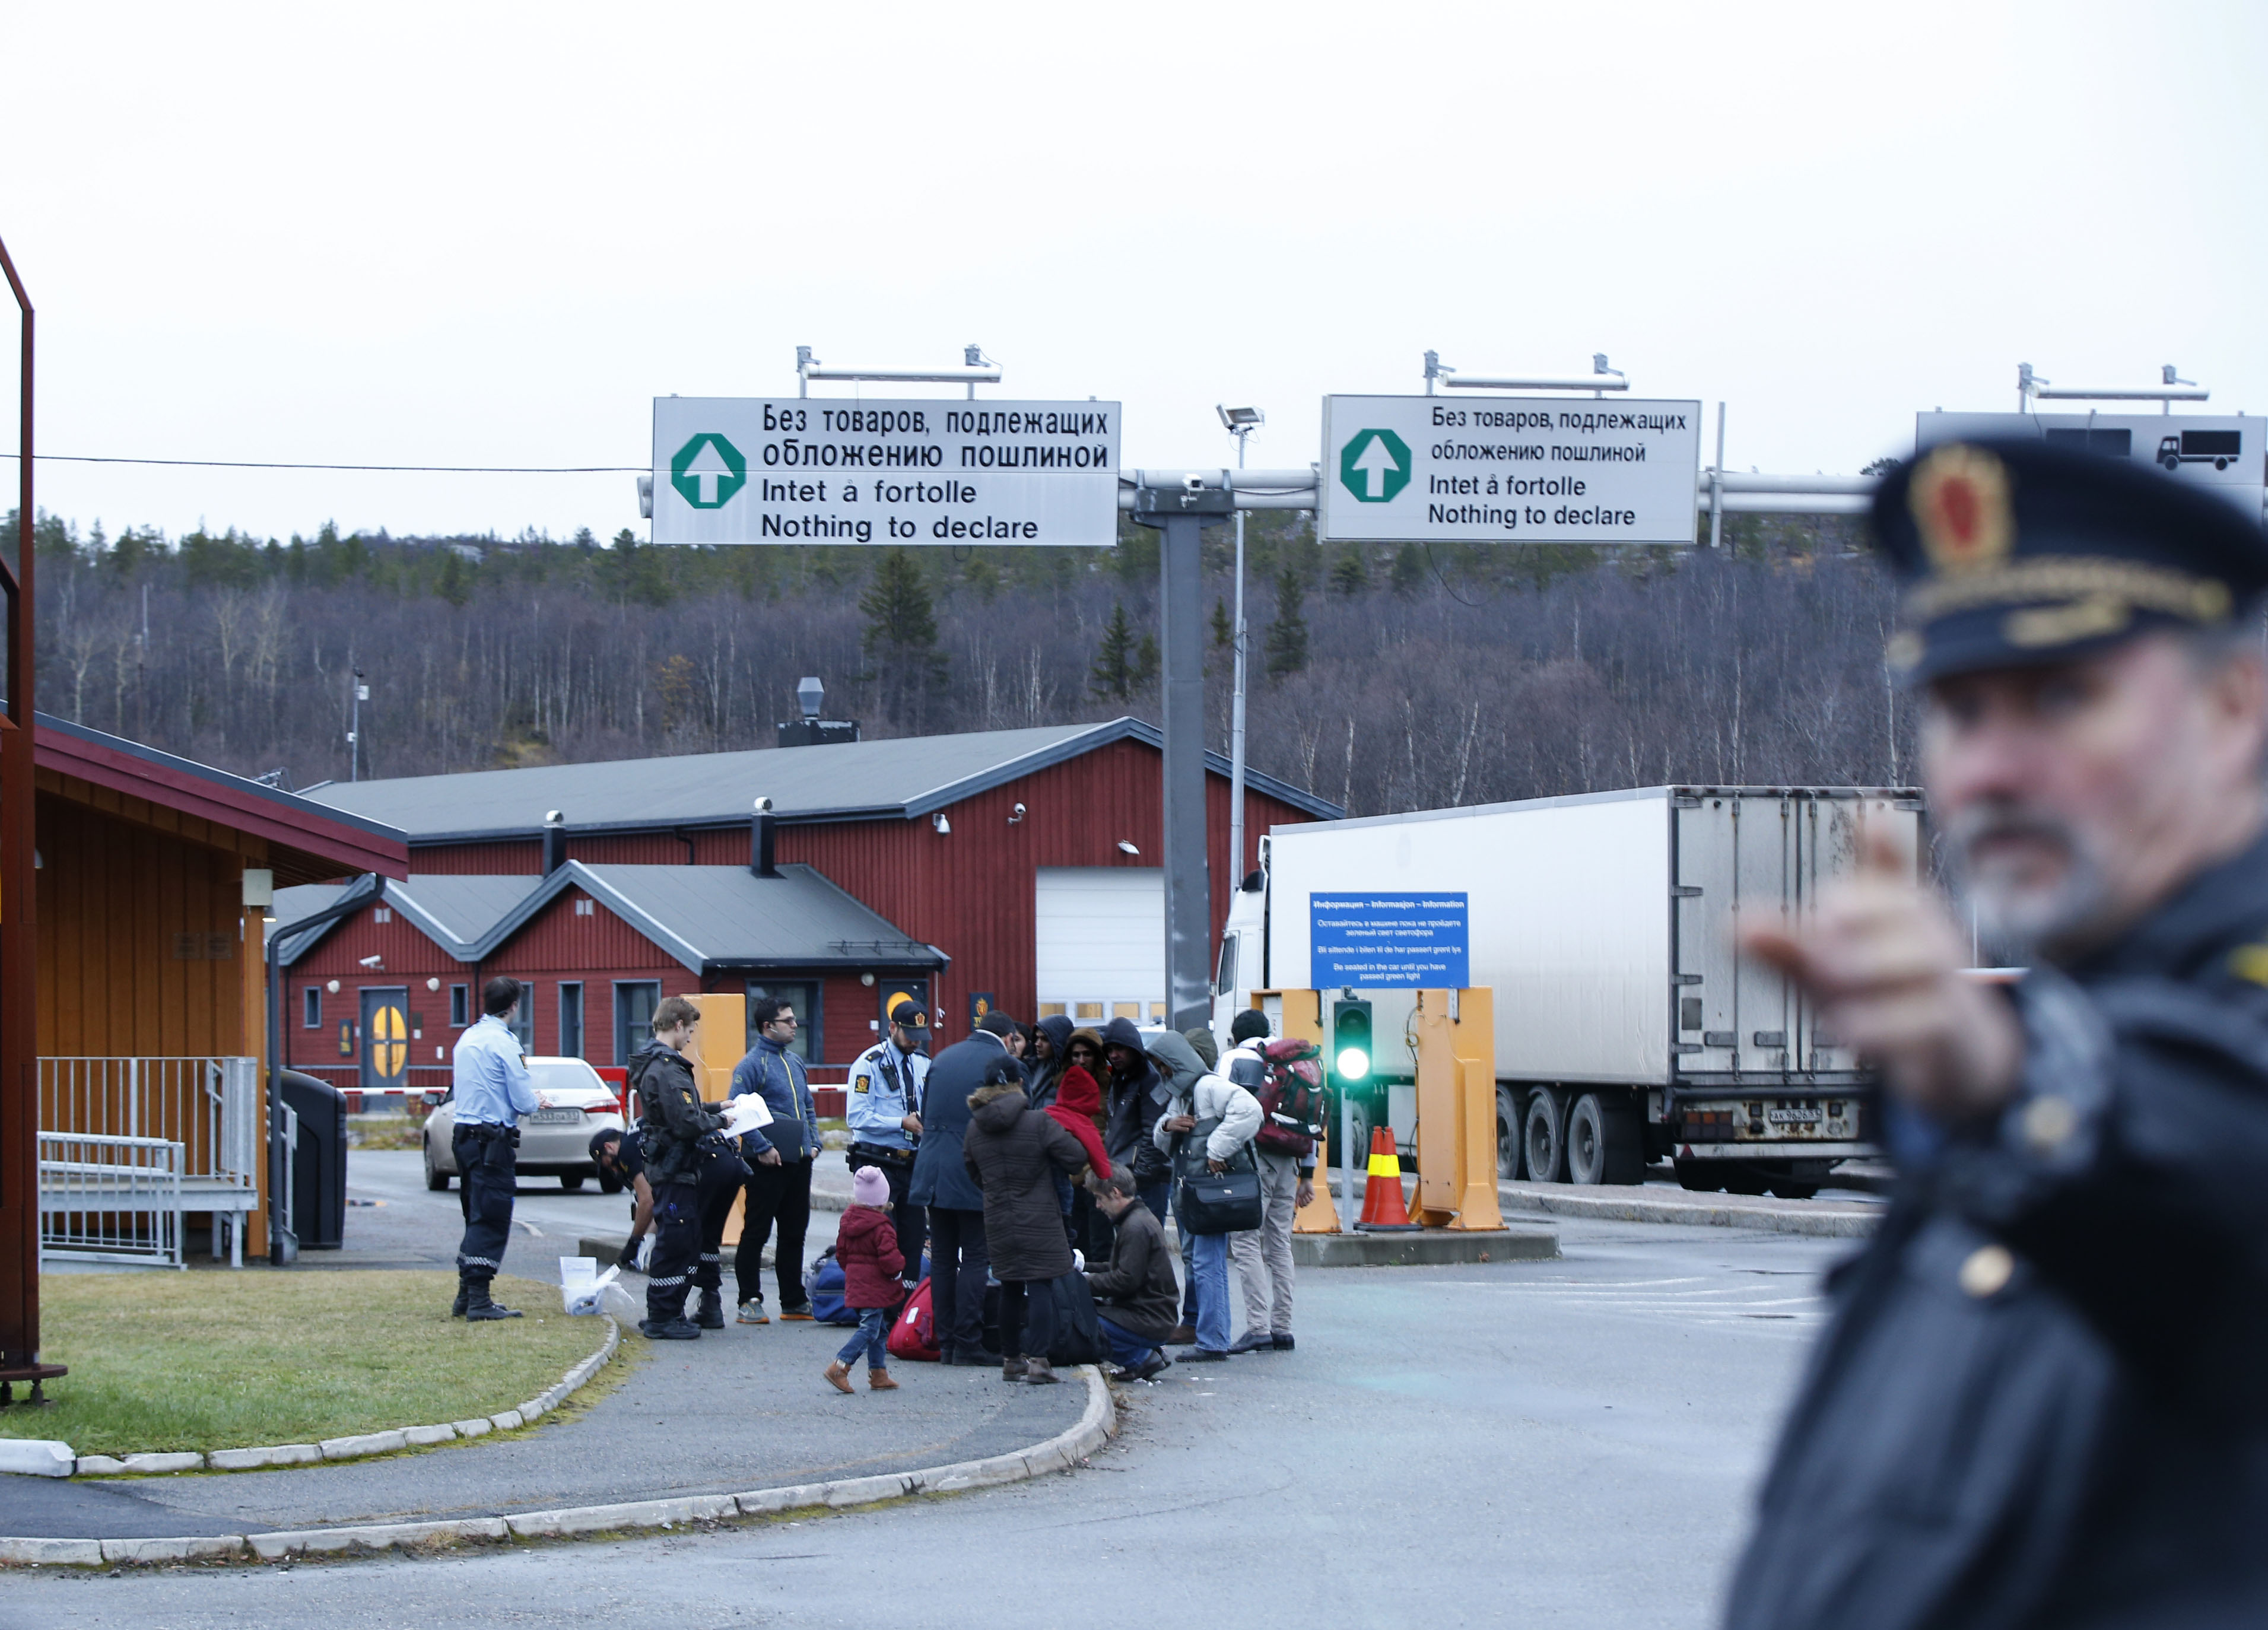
(959, 1260)
(780, 1158)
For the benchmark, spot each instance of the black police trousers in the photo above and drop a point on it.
(676, 1243)
(486, 1167)
(721, 1177)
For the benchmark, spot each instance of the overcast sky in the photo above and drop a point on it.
(491, 234)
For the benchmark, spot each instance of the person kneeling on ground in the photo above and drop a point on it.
(1138, 1293)
(866, 1246)
(1013, 1152)
(675, 1126)
(620, 1155)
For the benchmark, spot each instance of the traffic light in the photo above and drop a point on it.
(1351, 1051)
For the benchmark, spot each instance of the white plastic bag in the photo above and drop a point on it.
(582, 1287)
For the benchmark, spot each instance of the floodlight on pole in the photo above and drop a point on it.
(975, 370)
(1240, 423)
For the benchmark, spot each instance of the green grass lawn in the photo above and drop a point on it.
(229, 1359)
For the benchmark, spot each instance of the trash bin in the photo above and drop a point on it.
(318, 1183)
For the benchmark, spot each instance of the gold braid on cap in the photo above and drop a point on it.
(2074, 578)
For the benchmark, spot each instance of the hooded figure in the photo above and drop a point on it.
(1136, 1099)
(1198, 1093)
(1039, 1083)
(1013, 1152)
(1077, 1110)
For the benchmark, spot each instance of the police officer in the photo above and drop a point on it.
(621, 1155)
(884, 1096)
(2040, 1400)
(491, 1091)
(678, 1132)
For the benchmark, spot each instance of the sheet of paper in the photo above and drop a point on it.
(745, 1113)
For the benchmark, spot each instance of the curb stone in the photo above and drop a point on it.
(353, 1446)
(1097, 1424)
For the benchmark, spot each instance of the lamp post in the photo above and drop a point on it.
(1240, 423)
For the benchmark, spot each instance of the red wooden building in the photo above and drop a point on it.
(1016, 869)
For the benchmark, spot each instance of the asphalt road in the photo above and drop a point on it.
(1571, 1443)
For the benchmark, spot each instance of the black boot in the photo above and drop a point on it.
(457, 1308)
(711, 1314)
(479, 1306)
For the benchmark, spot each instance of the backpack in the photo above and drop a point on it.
(1079, 1335)
(1291, 1095)
(913, 1333)
(822, 1287)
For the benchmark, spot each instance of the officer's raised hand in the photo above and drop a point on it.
(1883, 958)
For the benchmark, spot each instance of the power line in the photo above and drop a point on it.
(422, 470)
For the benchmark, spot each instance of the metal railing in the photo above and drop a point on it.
(211, 1106)
(110, 1199)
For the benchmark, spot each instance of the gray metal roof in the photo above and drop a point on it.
(710, 918)
(907, 777)
(716, 917)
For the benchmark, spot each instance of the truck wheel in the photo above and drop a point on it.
(1507, 1137)
(1544, 1137)
(1742, 1179)
(1606, 1142)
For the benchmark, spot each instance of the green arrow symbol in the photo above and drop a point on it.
(707, 470)
(1375, 463)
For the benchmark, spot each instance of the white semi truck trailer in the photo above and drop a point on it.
(1628, 1027)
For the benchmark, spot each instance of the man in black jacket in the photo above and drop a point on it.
(1138, 1298)
(674, 1128)
(2040, 1399)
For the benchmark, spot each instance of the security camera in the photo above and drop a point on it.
(1193, 483)
(763, 806)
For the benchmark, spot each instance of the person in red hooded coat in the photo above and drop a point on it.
(1076, 1104)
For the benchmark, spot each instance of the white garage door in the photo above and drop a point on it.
(1103, 942)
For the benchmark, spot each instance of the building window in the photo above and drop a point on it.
(634, 1001)
(460, 1001)
(803, 996)
(311, 1008)
(523, 1017)
(383, 914)
(587, 908)
(571, 1019)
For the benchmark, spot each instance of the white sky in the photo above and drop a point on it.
(491, 234)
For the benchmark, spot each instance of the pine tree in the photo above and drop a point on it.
(1112, 677)
(1146, 663)
(1287, 635)
(1350, 571)
(900, 638)
(1409, 569)
(1224, 627)
(453, 585)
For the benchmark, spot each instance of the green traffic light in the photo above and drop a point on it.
(1354, 1063)
(1350, 1050)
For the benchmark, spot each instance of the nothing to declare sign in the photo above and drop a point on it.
(1382, 940)
(1509, 469)
(729, 470)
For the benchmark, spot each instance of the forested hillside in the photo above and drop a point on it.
(1385, 677)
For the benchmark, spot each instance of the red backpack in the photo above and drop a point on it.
(1291, 1095)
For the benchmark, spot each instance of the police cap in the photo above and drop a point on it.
(2017, 552)
(910, 1015)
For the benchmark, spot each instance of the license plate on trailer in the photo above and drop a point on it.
(568, 1118)
(1802, 1115)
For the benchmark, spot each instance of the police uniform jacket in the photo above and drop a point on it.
(885, 1088)
(675, 1120)
(2042, 1398)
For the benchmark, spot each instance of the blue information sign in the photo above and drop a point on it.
(1386, 941)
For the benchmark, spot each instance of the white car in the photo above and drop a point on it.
(554, 1141)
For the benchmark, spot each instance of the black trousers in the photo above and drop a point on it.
(676, 1241)
(958, 1263)
(1027, 1318)
(909, 1220)
(777, 1195)
(487, 1170)
(721, 1177)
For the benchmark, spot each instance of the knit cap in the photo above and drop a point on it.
(869, 1187)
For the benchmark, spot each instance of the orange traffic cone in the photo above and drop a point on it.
(1382, 1210)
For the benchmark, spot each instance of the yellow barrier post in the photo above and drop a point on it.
(1474, 1041)
(1435, 1135)
(720, 1042)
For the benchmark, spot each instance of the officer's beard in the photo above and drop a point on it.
(2025, 912)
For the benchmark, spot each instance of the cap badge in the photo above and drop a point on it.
(1960, 502)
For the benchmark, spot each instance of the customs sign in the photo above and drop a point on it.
(1380, 941)
(1499, 469)
(804, 470)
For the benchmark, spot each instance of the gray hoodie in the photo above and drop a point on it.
(1205, 1095)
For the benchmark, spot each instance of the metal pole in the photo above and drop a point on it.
(1188, 935)
(1716, 487)
(354, 731)
(1236, 707)
(19, 1092)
